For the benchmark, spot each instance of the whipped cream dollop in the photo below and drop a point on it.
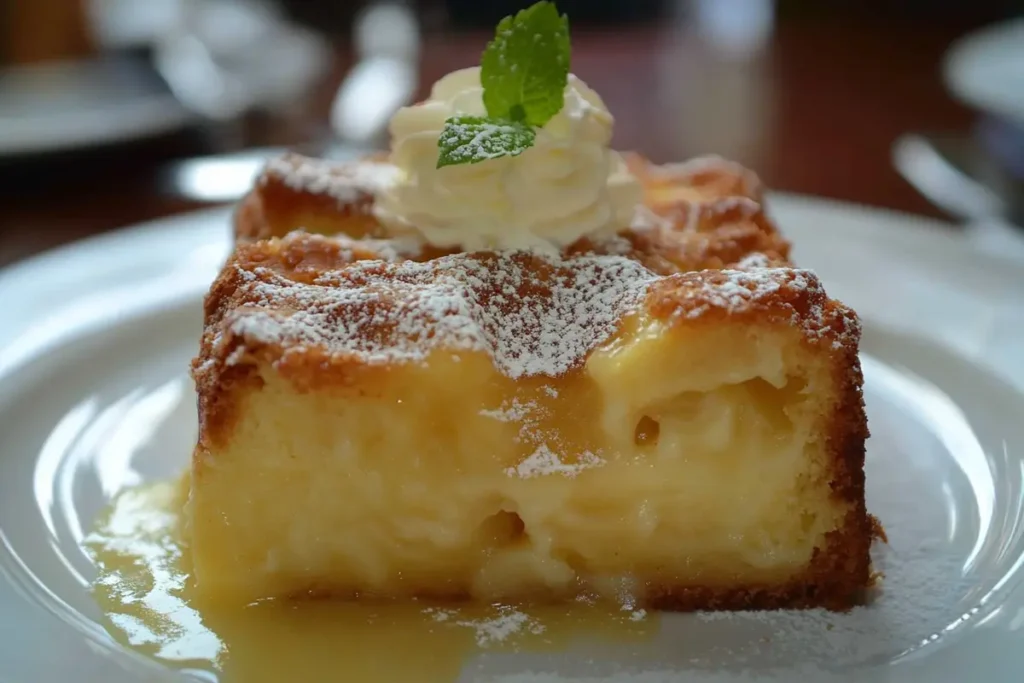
(568, 185)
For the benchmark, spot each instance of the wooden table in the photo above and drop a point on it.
(816, 112)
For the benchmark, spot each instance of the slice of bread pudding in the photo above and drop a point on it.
(673, 414)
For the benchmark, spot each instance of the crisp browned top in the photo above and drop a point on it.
(313, 301)
(704, 213)
(700, 247)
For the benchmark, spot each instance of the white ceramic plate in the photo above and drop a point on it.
(95, 338)
(985, 69)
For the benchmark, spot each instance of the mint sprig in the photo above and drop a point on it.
(525, 68)
(524, 71)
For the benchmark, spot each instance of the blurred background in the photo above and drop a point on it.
(117, 111)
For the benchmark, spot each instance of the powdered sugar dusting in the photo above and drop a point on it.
(735, 289)
(545, 461)
(550, 454)
(509, 622)
(345, 181)
(527, 413)
(717, 212)
(644, 219)
(914, 609)
(534, 315)
(709, 164)
(392, 250)
(505, 623)
(510, 411)
(915, 596)
(752, 261)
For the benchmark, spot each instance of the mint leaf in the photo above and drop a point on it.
(524, 70)
(471, 139)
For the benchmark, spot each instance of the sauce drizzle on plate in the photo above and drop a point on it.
(145, 591)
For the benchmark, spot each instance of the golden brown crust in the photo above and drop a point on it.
(365, 295)
(707, 177)
(313, 195)
(839, 574)
(707, 213)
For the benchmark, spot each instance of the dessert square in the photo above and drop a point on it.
(673, 413)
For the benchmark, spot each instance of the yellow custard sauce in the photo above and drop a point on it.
(144, 589)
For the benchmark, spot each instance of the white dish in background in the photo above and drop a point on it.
(94, 396)
(58, 106)
(985, 69)
(228, 58)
